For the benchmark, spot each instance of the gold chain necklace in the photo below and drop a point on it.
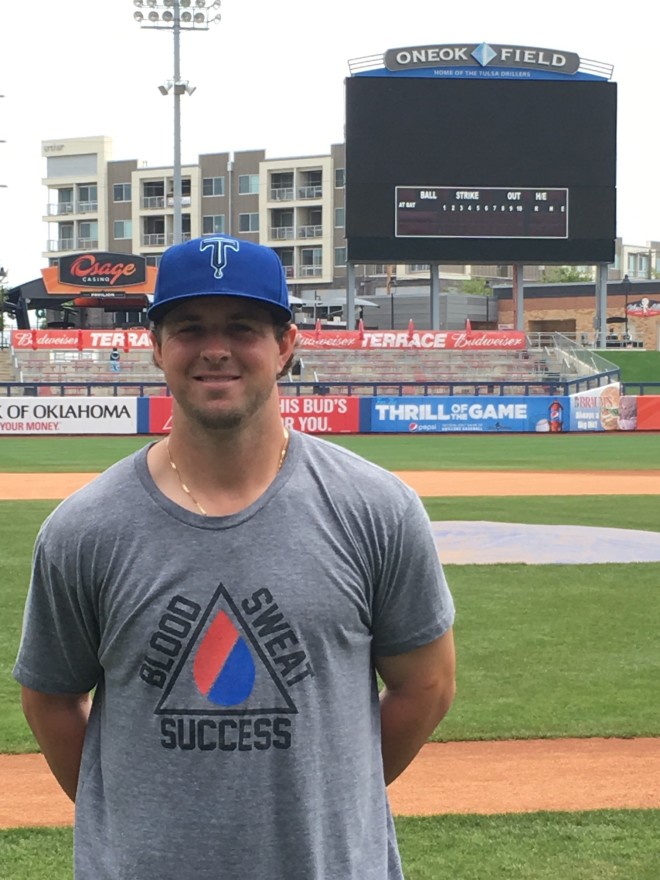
(283, 452)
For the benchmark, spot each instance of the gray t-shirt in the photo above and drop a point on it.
(235, 725)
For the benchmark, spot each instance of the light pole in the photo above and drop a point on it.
(392, 291)
(626, 290)
(177, 15)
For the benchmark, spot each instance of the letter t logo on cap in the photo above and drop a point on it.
(219, 248)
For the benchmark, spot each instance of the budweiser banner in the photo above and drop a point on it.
(421, 339)
(81, 339)
(308, 339)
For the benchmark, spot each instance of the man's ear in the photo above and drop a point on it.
(156, 353)
(288, 344)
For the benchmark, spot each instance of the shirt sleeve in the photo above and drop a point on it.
(59, 644)
(412, 602)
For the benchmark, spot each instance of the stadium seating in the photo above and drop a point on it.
(435, 371)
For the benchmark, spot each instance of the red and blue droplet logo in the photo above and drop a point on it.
(224, 669)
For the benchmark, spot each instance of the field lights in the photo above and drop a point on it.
(176, 15)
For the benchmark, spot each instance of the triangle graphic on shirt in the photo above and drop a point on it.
(224, 670)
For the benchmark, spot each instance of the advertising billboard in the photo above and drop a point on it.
(68, 415)
(433, 415)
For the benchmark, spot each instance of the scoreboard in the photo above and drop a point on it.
(480, 212)
(480, 171)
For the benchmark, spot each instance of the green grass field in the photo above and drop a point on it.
(500, 452)
(549, 650)
(599, 845)
(636, 366)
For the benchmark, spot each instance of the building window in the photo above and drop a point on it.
(340, 177)
(121, 192)
(65, 200)
(123, 229)
(153, 188)
(65, 241)
(340, 256)
(88, 233)
(87, 192)
(311, 261)
(153, 259)
(248, 184)
(213, 186)
(310, 184)
(248, 222)
(185, 192)
(281, 186)
(311, 256)
(339, 217)
(87, 198)
(213, 223)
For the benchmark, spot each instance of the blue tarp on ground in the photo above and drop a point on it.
(477, 543)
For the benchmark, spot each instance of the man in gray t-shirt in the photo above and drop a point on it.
(229, 595)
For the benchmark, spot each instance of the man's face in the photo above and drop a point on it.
(220, 357)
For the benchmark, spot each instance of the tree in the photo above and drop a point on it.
(478, 286)
(564, 275)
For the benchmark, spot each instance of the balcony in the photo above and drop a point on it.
(310, 192)
(60, 208)
(310, 231)
(185, 201)
(309, 271)
(151, 202)
(153, 239)
(281, 232)
(88, 207)
(185, 236)
(62, 244)
(71, 244)
(282, 194)
(289, 271)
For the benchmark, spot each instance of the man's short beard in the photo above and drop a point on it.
(228, 419)
(218, 421)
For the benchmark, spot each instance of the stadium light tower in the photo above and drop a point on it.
(177, 15)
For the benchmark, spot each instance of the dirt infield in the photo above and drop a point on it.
(470, 777)
(447, 483)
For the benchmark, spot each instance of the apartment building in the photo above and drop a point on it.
(294, 205)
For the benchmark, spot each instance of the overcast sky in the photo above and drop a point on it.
(270, 75)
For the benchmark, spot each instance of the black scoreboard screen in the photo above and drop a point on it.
(480, 171)
(480, 212)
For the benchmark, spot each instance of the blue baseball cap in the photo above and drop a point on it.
(219, 265)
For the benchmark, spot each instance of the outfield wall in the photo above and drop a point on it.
(602, 409)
